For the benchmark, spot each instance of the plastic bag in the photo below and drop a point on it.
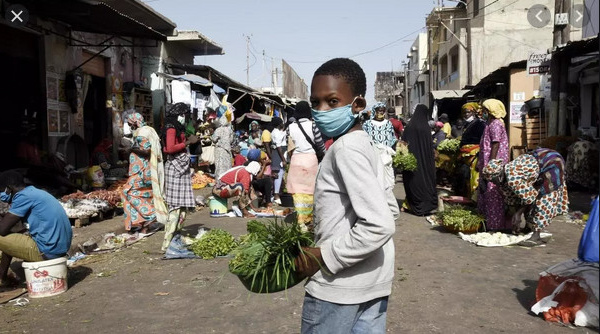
(96, 176)
(178, 249)
(213, 101)
(568, 293)
(208, 154)
(588, 246)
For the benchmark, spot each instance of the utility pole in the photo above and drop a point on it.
(247, 60)
(406, 99)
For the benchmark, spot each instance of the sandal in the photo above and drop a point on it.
(532, 243)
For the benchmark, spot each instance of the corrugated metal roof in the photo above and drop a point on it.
(91, 16)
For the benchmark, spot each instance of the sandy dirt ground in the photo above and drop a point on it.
(442, 285)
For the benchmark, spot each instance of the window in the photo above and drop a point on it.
(475, 8)
(444, 65)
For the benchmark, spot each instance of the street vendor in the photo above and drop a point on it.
(235, 183)
(49, 234)
(466, 175)
(533, 184)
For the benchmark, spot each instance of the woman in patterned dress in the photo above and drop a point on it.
(223, 140)
(493, 145)
(533, 184)
(178, 179)
(383, 136)
(142, 195)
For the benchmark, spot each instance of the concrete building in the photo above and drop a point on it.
(70, 70)
(472, 40)
(389, 88)
(417, 72)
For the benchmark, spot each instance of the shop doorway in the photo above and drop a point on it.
(96, 118)
(23, 106)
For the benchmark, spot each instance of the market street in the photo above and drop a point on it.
(442, 285)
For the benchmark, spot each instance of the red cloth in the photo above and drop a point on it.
(398, 127)
(174, 144)
(243, 177)
(328, 143)
(239, 160)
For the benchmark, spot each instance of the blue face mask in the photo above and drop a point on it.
(4, 197)
(335, 122)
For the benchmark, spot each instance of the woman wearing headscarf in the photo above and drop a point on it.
(179, 193)
(534, 185)
(383, 136)
(143, 194)
(467, 176)
(493, 145)
(262, 182)
(236, 183)
(254, 134)
(223, 140)
(421, 195)
(304, 163)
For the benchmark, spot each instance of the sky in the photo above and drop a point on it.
(377, 34)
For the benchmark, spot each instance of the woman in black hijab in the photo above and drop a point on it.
(421, 195)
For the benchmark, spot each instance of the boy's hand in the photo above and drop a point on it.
(308, 262)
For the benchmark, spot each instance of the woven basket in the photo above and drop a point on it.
(453, 229)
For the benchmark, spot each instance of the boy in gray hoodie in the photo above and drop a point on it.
(351, 269)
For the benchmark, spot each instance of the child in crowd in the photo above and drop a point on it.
(352, 268)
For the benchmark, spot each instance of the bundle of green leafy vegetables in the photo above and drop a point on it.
(264, 259)
(460, 218)
(449, 146)
(216, 242)
(404, 159)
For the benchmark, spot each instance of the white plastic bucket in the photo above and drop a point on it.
(217, 205)
(46, 278)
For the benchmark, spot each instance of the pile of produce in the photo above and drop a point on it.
(216, 242)
(458, 218)
(264, 259)
(449, 146)
(201, 180)
(113, 197)
(403, 159)
(76, 208)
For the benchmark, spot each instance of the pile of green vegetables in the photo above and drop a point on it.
(264, 259)
(403, 159)
(216, 242)
(460, 218)
(449, 146)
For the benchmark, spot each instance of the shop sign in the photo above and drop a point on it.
(538, 63)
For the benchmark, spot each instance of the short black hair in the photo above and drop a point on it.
(302, 110)
(348, 70)
(11, 178)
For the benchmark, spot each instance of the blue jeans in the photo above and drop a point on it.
(319, 316)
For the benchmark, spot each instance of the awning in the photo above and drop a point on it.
(91, 16)
(448, 94)
(254, 116)
(212, 74)
(253, 94)
(195, 79)
(143, 13)
(198, 43)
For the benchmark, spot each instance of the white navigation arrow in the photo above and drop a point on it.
(537, 16)
(579, 16)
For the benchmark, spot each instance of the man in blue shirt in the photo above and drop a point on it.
(49, 227)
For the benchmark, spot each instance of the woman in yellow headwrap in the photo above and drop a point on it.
(493, 145)
(467, 177)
